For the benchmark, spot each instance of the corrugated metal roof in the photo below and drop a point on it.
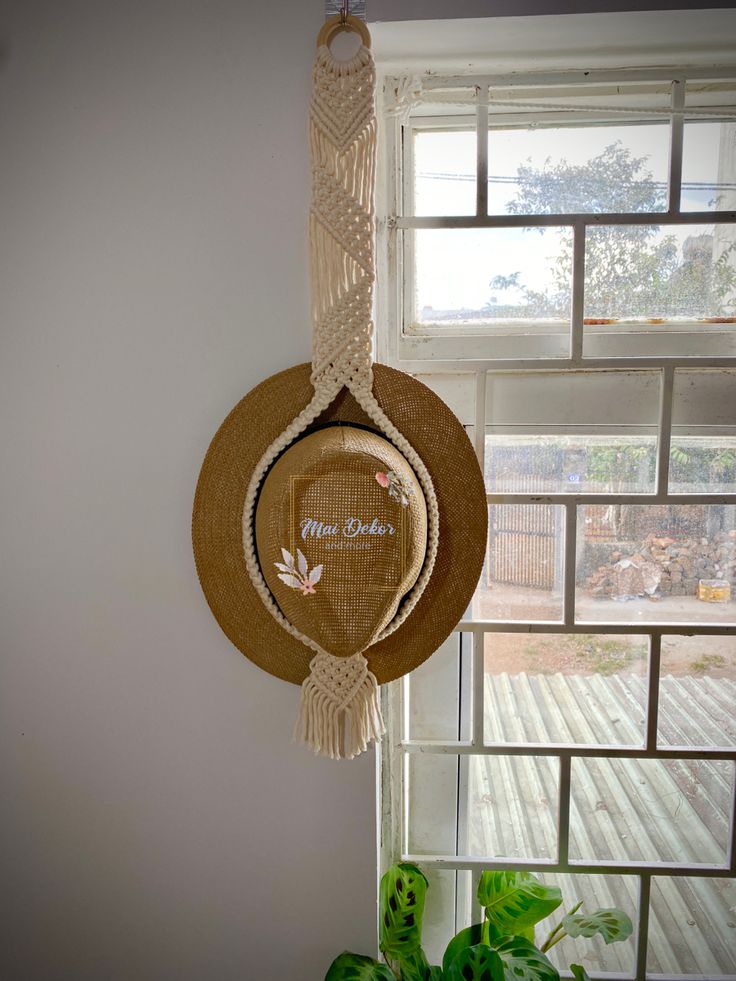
(621, 809)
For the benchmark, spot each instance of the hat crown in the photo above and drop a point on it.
(341, 535)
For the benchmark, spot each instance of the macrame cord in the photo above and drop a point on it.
(339, 712)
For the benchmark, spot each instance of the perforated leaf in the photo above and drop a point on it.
(612, 924)
(522, 961)
(402, 894)
(478, 963)
(356, 967)
(290, 580)
(515, 901)
(288, 557)
(316, 574)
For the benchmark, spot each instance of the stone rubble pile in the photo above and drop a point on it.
(666, 567)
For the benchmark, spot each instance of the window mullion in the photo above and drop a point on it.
(578, 293)
(642, 932)
(481, 176)
(676, 134)
(664, 432)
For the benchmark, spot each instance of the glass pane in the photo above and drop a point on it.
(645, 563)
(433, 789)
(703, 453)
(596, 892)
(571, 431)
(439, 911)
(512, 806)
(697, 691)
(447, 909)
(570, 464)
(691, 927)
(444, 172)
(652, 272)
(708, 166)
(508, 806)
(575, 169)
(565, 688)
(651, 810)
(481, 276)
(522, 577)
(439, 693)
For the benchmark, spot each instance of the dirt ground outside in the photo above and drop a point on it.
(711, 656)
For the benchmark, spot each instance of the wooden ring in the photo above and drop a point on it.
(338, 23)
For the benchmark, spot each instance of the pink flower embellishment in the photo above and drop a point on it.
(398, 486)
(296, 575)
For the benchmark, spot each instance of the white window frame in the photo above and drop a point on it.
(477, 354)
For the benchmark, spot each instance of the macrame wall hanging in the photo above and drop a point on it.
(340, 516)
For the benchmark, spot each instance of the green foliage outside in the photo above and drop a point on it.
(629, 270)
(502, 947)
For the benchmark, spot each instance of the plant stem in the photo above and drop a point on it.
(552, 936)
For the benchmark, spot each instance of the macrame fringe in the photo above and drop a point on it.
(339, 712)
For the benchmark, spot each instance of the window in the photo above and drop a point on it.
(560, 266)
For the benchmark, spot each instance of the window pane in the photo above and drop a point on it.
(448, 908)
(646, 563)
(565, 688)
(596, 892)
(650, 810)
(512, 806)
(708, 165)
(439, 923)
(493, 276)
(691, 927)
(570, 464)
(433, 790)
(508, 806)
(654, 272)
(577, 168)
(703, 453)
(444, 172)
(438, 690)
(697, 691)
(522, 578)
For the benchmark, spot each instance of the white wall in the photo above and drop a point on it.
(156, 821)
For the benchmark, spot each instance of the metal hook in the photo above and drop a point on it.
(344, 12)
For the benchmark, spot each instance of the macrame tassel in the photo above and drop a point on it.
(339, 711)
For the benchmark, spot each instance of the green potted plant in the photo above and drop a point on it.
(499, 948)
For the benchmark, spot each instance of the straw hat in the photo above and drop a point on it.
(217, 527)
(339, 521)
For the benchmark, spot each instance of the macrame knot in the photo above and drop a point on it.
(339, 712)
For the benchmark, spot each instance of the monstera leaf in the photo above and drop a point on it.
(356, 967)
(468, 937)
(522, 961)
(611, 924)
(515, 901)
(579, 972)
(478, 963)
(402, 894)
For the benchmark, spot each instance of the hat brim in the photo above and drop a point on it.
(441, 442)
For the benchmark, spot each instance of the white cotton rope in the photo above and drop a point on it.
(339, 712)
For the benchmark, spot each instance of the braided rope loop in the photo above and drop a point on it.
(340, 693)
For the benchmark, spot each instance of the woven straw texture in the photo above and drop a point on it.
(438, 438)
(338, 546)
